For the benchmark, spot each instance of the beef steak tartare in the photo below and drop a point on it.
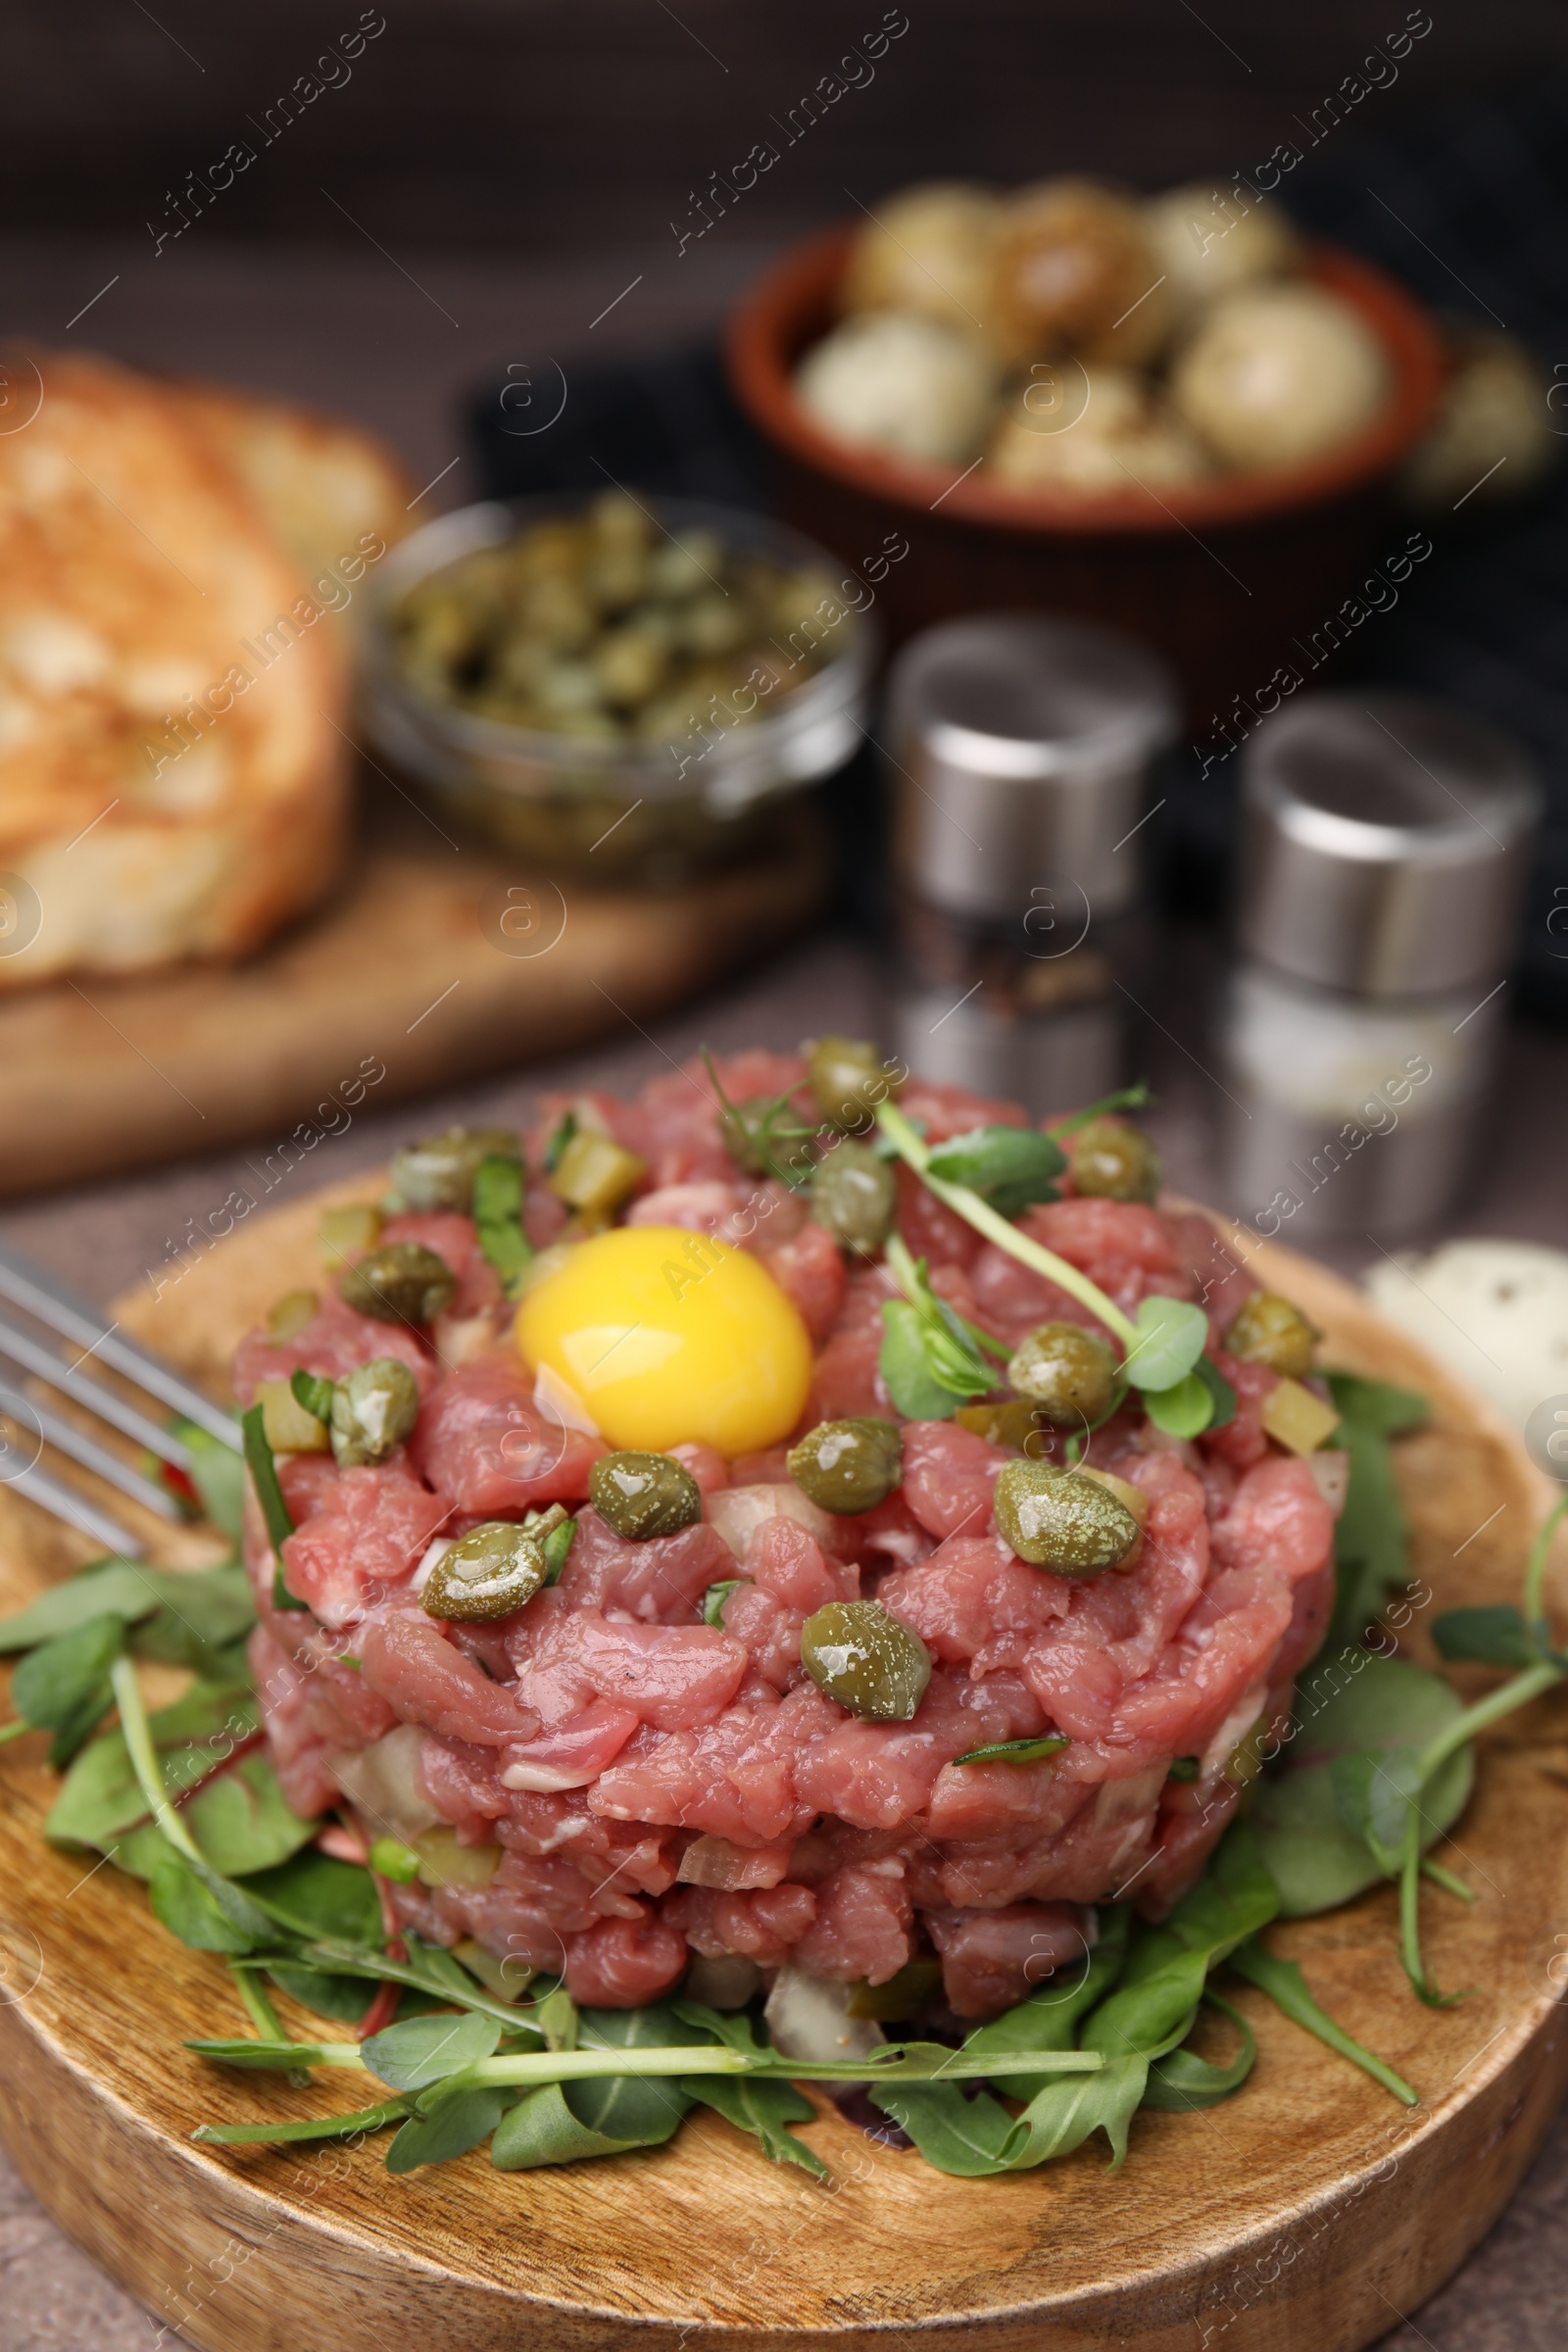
(659, 1743)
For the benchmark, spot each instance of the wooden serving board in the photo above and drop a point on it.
(434, 962)
(1306, 2215)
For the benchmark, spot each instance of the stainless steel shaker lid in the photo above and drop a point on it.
(1019, 746)
(1384, 838)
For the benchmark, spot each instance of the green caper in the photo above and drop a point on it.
(402, 1282)
(1270, 1330)
(1115, 1162)
(848, 1078)
(867, 1659)
(1013, 1423)
(854, 1195)
(438, 1171)
(847, 1466)
(373, 1410)
(1061, 1520)
(643, 1494)
(493, 1569)
(1065, 1373)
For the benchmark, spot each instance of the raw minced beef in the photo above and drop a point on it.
(628, 1785)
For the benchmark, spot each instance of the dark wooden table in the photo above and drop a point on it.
(356, 335)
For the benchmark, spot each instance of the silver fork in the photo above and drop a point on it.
(47, 1303)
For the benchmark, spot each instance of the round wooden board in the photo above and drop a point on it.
(1306, 2215)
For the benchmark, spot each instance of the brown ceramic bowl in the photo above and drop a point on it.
(1230, 577)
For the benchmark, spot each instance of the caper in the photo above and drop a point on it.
(643, 1494)
(1115, 1162)
(438, 1172)
(374, 1410)
(402, 1282)
(847, 1466)
(493, 1569)
(1270, 1330)
(1065, 1373)
(1060, 1520)
(1012, 1422)
(867, 1659)
(848, 1079)
(854, 1195)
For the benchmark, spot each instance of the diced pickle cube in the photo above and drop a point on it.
(595, 1174)
(290, 1314)
(1296, 1419)
(346, 1232)
(289, 1428)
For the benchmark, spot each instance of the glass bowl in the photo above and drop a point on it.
(615, 813)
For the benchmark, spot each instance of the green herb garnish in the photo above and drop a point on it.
(498, 1196)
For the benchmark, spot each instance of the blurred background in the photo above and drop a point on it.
(426, 863)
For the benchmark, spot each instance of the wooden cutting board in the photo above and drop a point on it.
(1306, 2215)
(433, 963)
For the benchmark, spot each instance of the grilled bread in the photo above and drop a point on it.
(173, 781)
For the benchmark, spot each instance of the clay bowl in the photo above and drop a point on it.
(1229, 579)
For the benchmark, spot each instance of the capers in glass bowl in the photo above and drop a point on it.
(848, 1078)
(494, 1569)
(847, 1466)
(643, 1494)
(373, 1411)
(401, 1282)
(1270, 1330)
(853, 1194)
(1066, 1373)
(861, 1654)
(438, 1172)
(1062, 1520)
(1113, 1161)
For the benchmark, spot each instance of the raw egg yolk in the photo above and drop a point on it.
(668, 1336)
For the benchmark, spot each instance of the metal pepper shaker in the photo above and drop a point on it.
(1383, 853)
(1019, 749)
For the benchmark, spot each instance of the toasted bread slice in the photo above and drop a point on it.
(325, 488)
(172, 778)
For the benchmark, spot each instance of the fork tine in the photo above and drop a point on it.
(40, 1296)
(71, 1440)
(35, 1357)
(52, 1495)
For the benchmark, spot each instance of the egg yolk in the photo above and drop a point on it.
(668, 1336)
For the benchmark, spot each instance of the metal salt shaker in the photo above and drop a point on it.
(1019, 749)
(1384, 845)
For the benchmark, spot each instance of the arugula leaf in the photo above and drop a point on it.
(1220, 1389)
(448, 2130)
(1016, 1751)
(1182, 2081)
(765, 2110)
(100, 1797)
(543, 2130)
(64, 1686)
(1389, 1411)
(968, 2138)
(425, 2050)
(1171, 1336)
(1183, 1410)
(201, 1621)
(188, 1908)
(498, 1195)
(105, 1588)
(322, 1901)
(1285, 1987)
(1010, 1168)
(1373, 1792)
(1495, 1636)
(1350, 1703)
(326, 2126)
(344, 2000)
(217, 1474)
(1371, 1540)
